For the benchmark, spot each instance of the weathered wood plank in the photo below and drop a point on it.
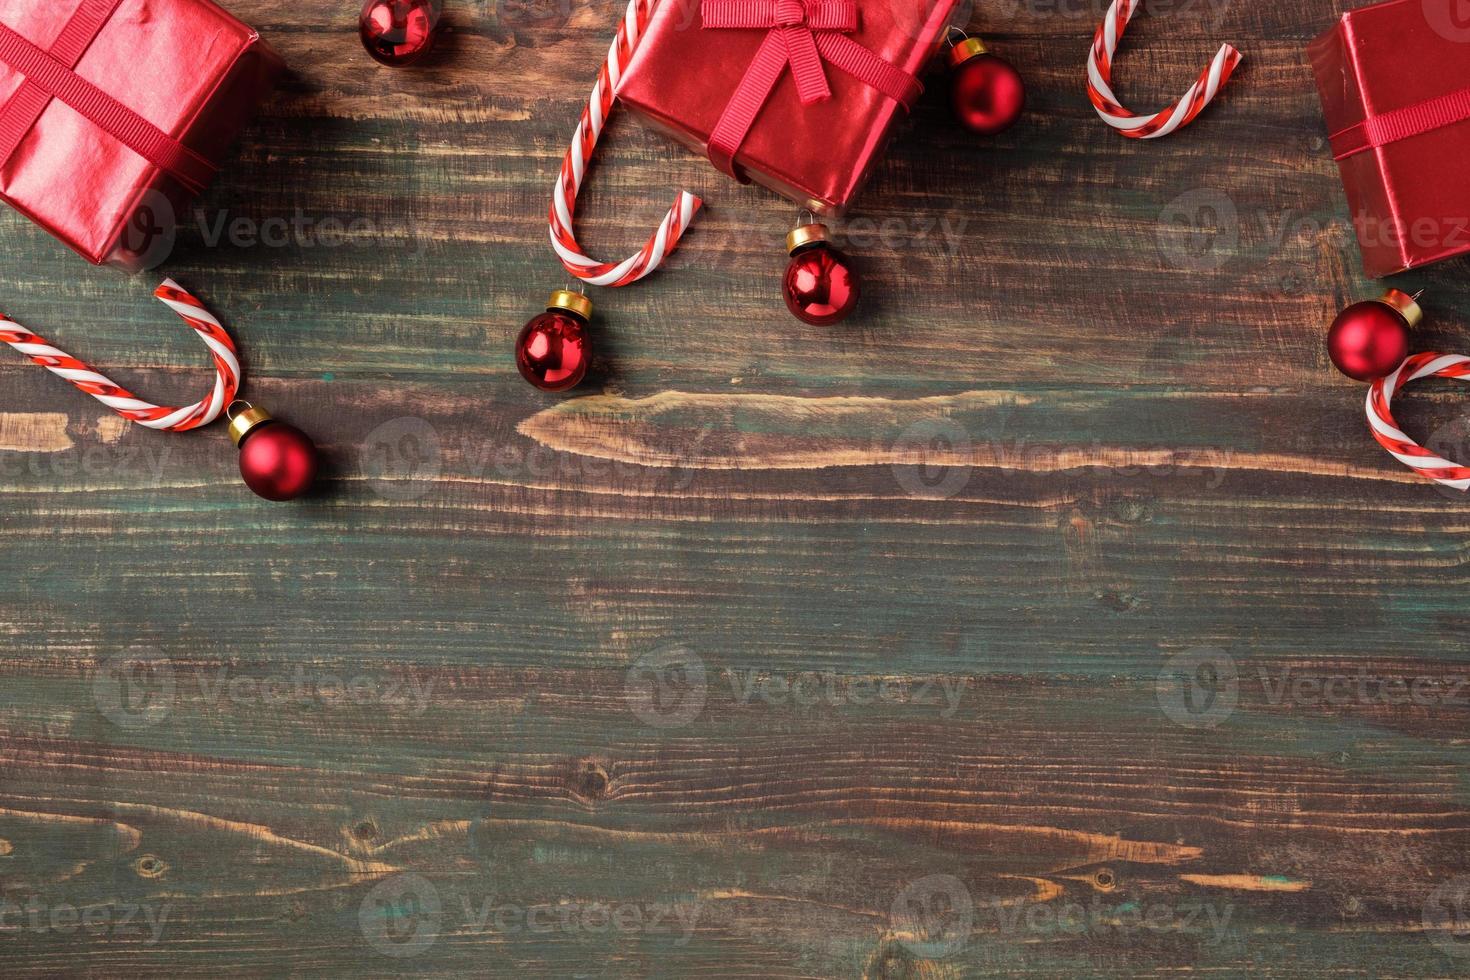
(781, 653)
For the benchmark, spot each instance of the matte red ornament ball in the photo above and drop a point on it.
(986, 92)
(553, 349)
(399, 32)
(278, 461)
(1369, 339)
(820, 285)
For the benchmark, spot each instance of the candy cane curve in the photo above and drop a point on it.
(124, 402)
(574, 169)
(1166, 120)
(1392, 438)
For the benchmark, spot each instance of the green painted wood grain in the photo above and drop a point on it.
(1071, 435)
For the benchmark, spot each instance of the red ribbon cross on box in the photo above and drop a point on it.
(804, 34)
(50, 74)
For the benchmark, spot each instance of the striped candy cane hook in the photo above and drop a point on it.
(124, 402)
(1166, 120)
(1392, 438)
(574, 168)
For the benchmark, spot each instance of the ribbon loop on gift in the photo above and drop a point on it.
(820, 15)
(50, 74)
(804, 34)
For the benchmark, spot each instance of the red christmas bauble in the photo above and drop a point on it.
(1368, 340)
(553, 349)
(820, 286)
(399, 32)
(278, 461)
(986, 92)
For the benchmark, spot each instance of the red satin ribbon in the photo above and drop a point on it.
(1400, 124)
(802, 34)
(50, 75)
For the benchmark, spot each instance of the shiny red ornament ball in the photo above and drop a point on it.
(1368, 340)
(399, 32)
(278, 461)
(986, 92)
(820, 285)
(553, 349)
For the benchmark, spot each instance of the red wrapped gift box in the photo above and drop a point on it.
(700, 56)
(112, 111)
(1395, 85)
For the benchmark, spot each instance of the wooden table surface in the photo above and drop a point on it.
(1056, 615)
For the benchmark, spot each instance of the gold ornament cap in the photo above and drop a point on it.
(565, 299)
(1403, 304)
(965, 49)
(244, 423)
(803, 235)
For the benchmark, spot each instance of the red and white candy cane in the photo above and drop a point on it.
(124, 402)
(574, 168)
(1166, 120)
(1392, 438)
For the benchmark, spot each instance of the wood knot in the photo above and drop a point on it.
(1131, 511)
(590, 780)
(1119, 602)
(365, 831)
(6, 847)
(891, 963)
(1104, 880)
(293, 911)
(150, 866)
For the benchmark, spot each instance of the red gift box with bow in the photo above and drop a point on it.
(115, 113)
(799, 96)
(1394, 79)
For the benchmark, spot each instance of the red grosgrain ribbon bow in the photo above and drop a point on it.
(802, 34)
